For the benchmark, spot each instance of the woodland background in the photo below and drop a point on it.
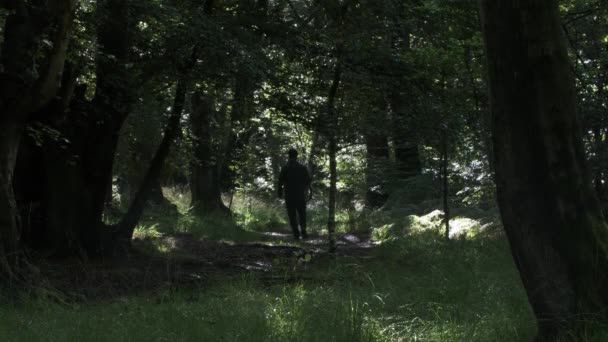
(142, 140)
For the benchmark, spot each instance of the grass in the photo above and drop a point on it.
(414, 286)
(419, 288)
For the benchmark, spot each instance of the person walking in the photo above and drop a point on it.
(294, 181)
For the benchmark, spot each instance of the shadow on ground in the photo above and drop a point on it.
(181, 260)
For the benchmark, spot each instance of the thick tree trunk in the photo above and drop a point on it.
(76, 181)
(243, 105)
(205, 183)
(377, 160)
(9, 229)
(77, 172)
(67, 203)
(551, 215)
(407, 154)
(24, 90)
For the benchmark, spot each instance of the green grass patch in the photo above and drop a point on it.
(417, 289)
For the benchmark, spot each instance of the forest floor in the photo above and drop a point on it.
(183, 260)
(180, 287)
(244, 278)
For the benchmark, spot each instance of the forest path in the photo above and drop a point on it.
(273, 252)
(184, 261)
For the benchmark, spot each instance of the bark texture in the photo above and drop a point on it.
(557, 233)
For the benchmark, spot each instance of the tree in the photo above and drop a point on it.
(552, 218)
(78, 173)
(585, 24)
(205, 182)
(27, 84)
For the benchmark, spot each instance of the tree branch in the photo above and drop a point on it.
(48, 84)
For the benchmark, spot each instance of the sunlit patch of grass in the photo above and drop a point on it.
(143, 231)
(259, 214)
(213, 226)
(388, 225)
(179, 197)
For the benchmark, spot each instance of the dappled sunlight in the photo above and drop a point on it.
(390, 225)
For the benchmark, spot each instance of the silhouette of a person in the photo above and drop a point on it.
(294, 180)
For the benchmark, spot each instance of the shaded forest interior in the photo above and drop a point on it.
(458, 152)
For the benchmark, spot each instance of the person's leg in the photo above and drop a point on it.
(293, 222)
(302, 218)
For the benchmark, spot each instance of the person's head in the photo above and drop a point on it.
(293, 154)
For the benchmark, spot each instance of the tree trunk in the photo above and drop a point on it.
(77, 173)
(598, 161)
(78, 170)
(333, 179)
(407, 154)
(24, 90)
(314, 151)
(551, 215)
(127, 225)
(377, 159)
(445, 182)
(205, 183)
(9, 228)
(332, 135)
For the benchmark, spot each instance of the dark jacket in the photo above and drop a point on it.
(294, 178)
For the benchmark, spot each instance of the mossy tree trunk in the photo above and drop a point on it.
(551, 215)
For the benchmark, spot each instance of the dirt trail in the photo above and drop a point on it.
(187, 262)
